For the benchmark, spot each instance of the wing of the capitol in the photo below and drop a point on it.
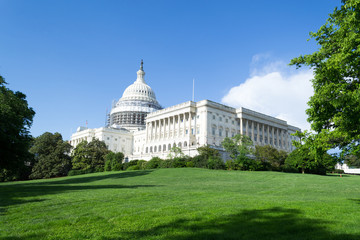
(141, 129)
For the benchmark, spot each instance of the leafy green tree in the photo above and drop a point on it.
(208, 151)
(154, 162)
(311, 155)
(240, 148)
(89, 155)
(16, 118)
(334, 109)
(270, 157)
(52, 156)
(352, 161)
(175, 152)
(113, 161)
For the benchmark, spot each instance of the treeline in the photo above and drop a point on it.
(50, 156)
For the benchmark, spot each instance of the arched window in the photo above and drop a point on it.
(146, 150)
(185, 144)
(151, 149)
(179, 144)
(169, 147)
(174, 145)
(164, 147)
(155, 149)
(159, 148)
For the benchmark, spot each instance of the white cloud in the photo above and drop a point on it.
(274, 90)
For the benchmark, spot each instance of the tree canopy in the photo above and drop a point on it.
(334, 109)
(16, 118)
(52, 156)
(90, 155)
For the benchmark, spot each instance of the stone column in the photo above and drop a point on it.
(178, 125)
(241, 126)
(184, 124)
(190, 119)
(263, 134)
(173, 134)
(247, 127)
(272, 134)
(252, 130)
(258, 132)
(268, 134)
(277, 138)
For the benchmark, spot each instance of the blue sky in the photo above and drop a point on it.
(73, 58)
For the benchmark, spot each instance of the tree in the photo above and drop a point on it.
(207, 152)
(51, 155)
(240, 147)
(175, 152)
(270, 157)
(310, 154)
(89, 155)
(16, 118)
(113, 161)
(352, 161)
(334, 109)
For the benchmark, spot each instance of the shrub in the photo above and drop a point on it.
(190, 164)
(134, 167)
(200, 161)
(80, 172)
(179, 162)
(338, 171)
(216, 163)
(155, 162)
(168, 163)
(141, 164)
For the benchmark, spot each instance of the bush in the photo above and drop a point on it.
(216, 163)
(190, 164)
(155, 162)
(141, 164)
(179, 162)
(338, 171)
(134, 167)
(125, 166)
(80, 172)
(168, 163)
(200, 161)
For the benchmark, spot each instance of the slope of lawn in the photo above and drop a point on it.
(182, 204)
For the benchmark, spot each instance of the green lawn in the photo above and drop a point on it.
(182, 204)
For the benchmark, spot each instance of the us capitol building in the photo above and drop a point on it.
(141, 129)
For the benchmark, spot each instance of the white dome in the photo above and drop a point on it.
(136, 102)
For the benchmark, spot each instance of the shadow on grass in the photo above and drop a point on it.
(86, 178)
(14, 194)
(273, 223)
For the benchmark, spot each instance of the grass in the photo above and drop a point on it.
(182, 204)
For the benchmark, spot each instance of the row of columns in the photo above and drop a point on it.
(162, 128)
(249, 124)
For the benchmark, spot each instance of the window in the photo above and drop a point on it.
(187, 131)
(226, 120)
(214, 117)
(220, 132)
(220, 119)
(213, 131)
(226, 133)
